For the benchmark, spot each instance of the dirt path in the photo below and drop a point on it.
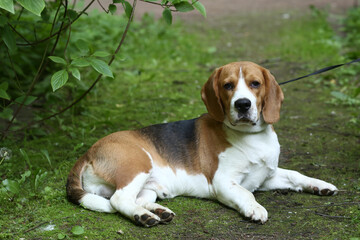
(221, 8)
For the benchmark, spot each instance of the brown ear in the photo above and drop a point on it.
(273, 98)
(211, 98)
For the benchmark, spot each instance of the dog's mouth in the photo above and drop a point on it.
(243, 119)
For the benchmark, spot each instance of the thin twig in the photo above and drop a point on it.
(166, 5)
(68, 39)
(327, 205)
(155, 3)
(162, 5)
(35, 227)
(13, 68)
(18, 18)
(107, 11)
(19, 34)
(60, 30)
(73, 5)
(124, 34)
(331, 130)
(329, 216)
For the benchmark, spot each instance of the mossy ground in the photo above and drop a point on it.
(315, 136)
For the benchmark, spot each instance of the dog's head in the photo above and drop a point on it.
(242, 95)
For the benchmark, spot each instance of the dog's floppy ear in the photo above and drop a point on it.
(273, 98)
(211, 98)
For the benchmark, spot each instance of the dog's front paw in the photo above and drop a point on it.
(322, 188)
(256, 213)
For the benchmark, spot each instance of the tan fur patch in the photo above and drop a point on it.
(118, 158)
(212, 143)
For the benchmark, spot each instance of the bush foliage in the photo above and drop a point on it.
(48, 53)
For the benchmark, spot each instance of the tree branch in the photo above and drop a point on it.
(19, 34)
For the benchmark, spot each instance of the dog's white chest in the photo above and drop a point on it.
(251, 159)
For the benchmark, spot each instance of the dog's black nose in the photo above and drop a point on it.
(242, 105)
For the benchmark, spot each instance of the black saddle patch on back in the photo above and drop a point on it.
(176, 141)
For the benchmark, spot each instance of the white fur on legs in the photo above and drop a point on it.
(124, 199)
(147, 198)
(96, 203)
(288, 179)
(235, 196)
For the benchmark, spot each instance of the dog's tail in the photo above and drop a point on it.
(74, 189)
(77, 195)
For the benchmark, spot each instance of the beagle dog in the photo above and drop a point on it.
(225, 154)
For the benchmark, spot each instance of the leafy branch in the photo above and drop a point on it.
(70, 62)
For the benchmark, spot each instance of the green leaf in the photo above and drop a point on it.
(128, 9)
(167, 15)
(7, 113)
(101, 67)
(77, 230)
(101, 54)
(46, 155)
(45, 15)
(80, 62)
(8, 5)
(28, 100)
(212, 50)
(339, 95)
(12, 186)
(58, 60)
(3, 20)
(183, 7)
(25, 156)
(34, 6)
(82, 45)
(79, 145)
(9, 39)
(24, 176)
(76, 73)
(4, 95)
(357, 92)
(4, 86)
(39, 178)
(112, 8)
(72, 14)
(61, 236)
(59, 79)
(200, 7)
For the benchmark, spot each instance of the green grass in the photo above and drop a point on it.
(158, 80)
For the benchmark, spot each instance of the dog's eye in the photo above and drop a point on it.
(229, 86)
(255, 84)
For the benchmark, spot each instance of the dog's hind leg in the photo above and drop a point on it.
(147, 198)
(123, 200)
